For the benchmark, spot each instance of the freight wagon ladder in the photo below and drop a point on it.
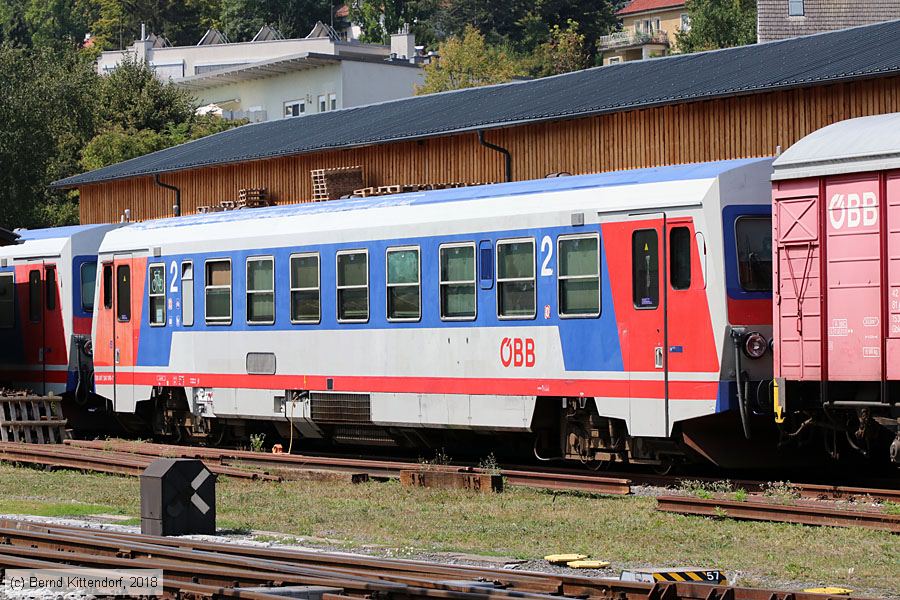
(32, 419)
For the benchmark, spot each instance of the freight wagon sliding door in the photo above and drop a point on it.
(892, 227)
(853, 279)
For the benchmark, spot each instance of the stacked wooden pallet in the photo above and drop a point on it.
(385, 190)
(253, 198)
(331, 184)
(31, 419)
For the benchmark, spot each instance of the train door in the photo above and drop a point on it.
(54, 336)
(34, 324)
(647, 345)
(123, 331)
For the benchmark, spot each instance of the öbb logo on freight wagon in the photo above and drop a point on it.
(851, 210)
(517, 352)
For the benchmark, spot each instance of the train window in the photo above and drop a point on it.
(218, 291)
(458, 300)
(35, 302)
(7, 300)
(645, 268)
(187, 293)
(516, 293)
(680, 258)
(578, 268)
(305, 292)
(88, 283)
(353, 286)
(404, 300)
(123, 292)
(50, 286)
(157, 291)
(753, 236)
(261, 290)
(107, 286)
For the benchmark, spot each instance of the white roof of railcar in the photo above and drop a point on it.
(851, 146)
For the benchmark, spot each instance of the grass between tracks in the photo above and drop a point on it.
(521, 523)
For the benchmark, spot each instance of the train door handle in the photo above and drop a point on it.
(40, 355)
(117, 356)
(658, 357)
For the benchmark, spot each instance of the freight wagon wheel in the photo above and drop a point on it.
(665, 467)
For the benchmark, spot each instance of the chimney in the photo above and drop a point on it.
(403, 44)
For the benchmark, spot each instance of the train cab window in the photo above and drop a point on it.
(680, 258)
(457, 282)
(645, 268)
(88, 284)
(35, 301)
(404, 300)
(107, 286)
(578, 268)
(187, 293)
(50, 287)
(353, 286)
(7, 300)
(218, 292)
(305, 291)
(516, 292)
(156, 288)
(753, 236)
(123, 292)
(261, 290)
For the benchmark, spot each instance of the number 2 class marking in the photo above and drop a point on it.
(547, 247)
(173, 271)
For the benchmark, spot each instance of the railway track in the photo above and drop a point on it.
(205, 569)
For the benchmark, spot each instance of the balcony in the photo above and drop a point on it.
(625, 39)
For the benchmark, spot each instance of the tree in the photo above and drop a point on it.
(46, 107)
(563, 52)
(718, 24)
(379, 19)
(241, 19)
(117, 23)
(465, 62)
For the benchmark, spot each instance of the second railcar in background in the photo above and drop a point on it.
(613, 317)
(837, 297)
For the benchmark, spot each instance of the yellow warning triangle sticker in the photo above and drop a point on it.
(645, 247)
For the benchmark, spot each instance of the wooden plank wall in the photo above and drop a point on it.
(738, 127)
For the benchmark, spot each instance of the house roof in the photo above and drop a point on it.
(866, 52)
(639, 6)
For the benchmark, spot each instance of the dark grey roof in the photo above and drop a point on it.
(862, 52)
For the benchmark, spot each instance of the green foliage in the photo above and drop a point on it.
(46, 110)
(117, 23)
(241, 19)
(563, 52)
(256, 442)
(466, 62)
(718, 24)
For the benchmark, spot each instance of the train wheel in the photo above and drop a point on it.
(666, 466)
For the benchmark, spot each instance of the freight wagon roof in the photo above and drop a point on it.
(861, 52)
(851, 146)
(708, 170)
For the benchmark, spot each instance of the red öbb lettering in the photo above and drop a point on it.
(517, 352)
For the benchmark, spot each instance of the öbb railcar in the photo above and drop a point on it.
(614, 317)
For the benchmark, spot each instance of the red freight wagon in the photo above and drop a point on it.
(836, 233)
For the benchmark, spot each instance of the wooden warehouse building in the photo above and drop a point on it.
(739, 102)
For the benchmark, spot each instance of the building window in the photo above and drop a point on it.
(613, 60)
(7, 300)
(35, 302)
(685, 22)
(305, 292)
(578, 268)
(795, 8)
(294, 108)
(656, 26)
(261, 290)
(187, 293)
(353, 286)
(645, 268)
(403, 289)
(218, 291)
(123, 292)
(88, 285)
(753, 236)
(323, 106)
(332, 101)
(157, 292)
(458, 282)
(680, 258)
(516, 293)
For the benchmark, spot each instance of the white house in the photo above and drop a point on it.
(272, 78)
